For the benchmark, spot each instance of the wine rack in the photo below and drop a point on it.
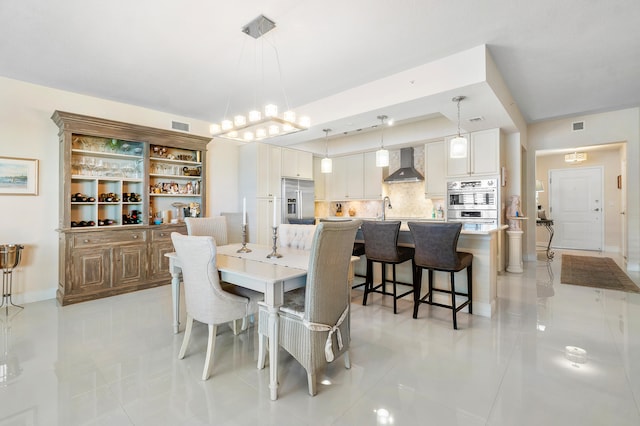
(109, 173)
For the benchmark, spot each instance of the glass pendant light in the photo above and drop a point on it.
(326, 165)
(458, 145)
(382, 155)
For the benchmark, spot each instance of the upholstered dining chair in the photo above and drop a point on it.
(213, 226)
(314, 321)
(208, 300)
(296, 236)
(436, 249)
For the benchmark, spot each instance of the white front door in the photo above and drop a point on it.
(576, 208)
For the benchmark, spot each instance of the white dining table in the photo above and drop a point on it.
(270, 276)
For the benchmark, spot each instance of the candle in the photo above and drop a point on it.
(275, 215)
(244, 210)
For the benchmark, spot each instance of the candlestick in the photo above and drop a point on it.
(244, 248)
(275, 213)
(274, 253)
(244, 211)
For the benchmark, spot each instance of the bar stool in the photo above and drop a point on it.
(436, 250)
(381, 245)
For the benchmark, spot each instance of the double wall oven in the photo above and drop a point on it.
(473, 201)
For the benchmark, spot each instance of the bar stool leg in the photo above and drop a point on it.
(368, 284)
(470, 288)
(453, 300)
(430, 286)
(417, 285)
(384, 278)
(395, 300)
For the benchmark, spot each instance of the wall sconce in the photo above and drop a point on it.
(575, 157)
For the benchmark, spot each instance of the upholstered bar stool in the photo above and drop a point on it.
(436, 250)
(381, 245)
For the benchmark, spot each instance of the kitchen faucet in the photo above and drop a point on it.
(386, 200)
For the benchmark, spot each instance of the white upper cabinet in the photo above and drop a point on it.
(436, 173)
(483, 155)
(297, 164)
(318, 179)
(346, 182)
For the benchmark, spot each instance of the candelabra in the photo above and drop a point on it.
(244, 248)
(274, 253)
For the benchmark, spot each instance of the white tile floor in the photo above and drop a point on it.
(114, 362)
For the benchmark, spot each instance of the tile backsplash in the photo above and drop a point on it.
(407, 198)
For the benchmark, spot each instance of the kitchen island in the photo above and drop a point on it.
(483, 242)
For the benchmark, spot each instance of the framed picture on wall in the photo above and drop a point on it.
(18, 176)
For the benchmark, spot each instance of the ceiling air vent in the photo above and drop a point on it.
(577, 126)
(183, 127)
(476, 119)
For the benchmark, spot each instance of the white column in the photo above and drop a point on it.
(515, 251)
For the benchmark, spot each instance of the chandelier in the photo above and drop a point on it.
(259, 125)
(575, 157)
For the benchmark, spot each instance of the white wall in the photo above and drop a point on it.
(604, 128)
(26, 131)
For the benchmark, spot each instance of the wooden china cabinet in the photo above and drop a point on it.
(117, 181)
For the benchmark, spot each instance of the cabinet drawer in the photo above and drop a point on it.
(165, 234)
(161, 235)
(97, 238)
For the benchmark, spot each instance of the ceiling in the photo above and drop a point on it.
(191, 59)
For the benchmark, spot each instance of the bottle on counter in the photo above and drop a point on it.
(440, 212)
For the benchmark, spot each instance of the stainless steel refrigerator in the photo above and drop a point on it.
(298, 201)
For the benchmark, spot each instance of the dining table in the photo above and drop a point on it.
(272, 276)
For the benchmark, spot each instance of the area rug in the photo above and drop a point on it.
(600, 272)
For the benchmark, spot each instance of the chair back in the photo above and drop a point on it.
(327, 292)
(205, 299)
(214, 226)
(234, 226)
(381, 240)
(436, 244)
(296, 236)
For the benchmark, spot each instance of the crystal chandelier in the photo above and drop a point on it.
(259, 125)
(458, 145)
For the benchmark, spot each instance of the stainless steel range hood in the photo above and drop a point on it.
(406, 172)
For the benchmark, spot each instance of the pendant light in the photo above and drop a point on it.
(326, 165)
(382, 155)
(260, 125)
(458, 145)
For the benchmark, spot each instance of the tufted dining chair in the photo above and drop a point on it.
(207, 299)
(314, 321)
(296, 236)
(213, 226)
